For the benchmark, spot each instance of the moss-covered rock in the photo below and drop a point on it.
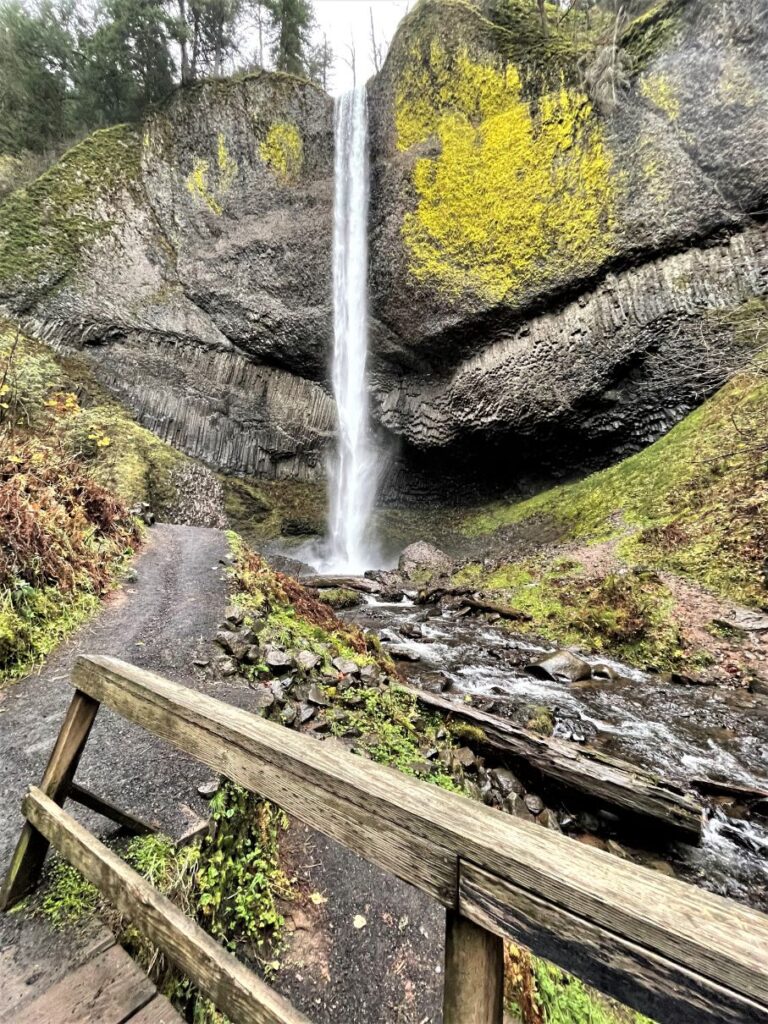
(503, 190)
(187, 260)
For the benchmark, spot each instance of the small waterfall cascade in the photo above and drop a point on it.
(353, 476)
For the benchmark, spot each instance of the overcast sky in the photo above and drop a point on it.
(347, 22)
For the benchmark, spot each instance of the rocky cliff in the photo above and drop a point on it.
(554, 263)
(190, 260)
(552, 267)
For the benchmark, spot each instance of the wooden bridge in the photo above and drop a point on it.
(668, 949)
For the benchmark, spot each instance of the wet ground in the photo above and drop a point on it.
(680, 732)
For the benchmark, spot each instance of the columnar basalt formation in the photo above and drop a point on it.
(556, 266)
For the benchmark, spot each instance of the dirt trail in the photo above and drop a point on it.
(388, 971)
(157, 622)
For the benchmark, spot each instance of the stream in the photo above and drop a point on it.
(679, 732)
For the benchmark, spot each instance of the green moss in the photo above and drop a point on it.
(340, 598)
(45, 226)
(651, 33)
(283, 151)
(134, 464)
(34, 621)
(540, 720)
(694, 502)
(518, 195)
(258, 509)
(240, 881)
(394, 731)
(67, 898)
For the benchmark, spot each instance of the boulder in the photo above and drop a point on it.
(278, 661)
(306, 661)
(561, 667)
(346, 666)
(422, 559)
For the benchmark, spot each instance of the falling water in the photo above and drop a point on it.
(353, 472)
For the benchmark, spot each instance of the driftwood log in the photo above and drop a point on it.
(589, 771)
(465, 597)
(361, 583)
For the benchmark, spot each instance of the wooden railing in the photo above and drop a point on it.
(668, 949)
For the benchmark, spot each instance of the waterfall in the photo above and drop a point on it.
(353, 470)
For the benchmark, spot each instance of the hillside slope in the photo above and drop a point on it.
(628, 558)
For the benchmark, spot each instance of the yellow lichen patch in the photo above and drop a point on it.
(227, 166)
(736, 85)
(201, 183)
(518, 195)
(198, 185)
(283, 151)
(657, 89)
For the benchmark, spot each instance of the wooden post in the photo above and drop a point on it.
(474, 973)
(29, 856)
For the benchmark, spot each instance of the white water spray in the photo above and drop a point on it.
(353, 471)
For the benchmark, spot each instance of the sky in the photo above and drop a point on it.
(347, 22)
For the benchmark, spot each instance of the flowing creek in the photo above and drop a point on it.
(678, 732)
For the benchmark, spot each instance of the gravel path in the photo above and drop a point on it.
(385, 972)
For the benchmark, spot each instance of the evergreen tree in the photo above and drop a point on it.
(37, 57)
(293, 20)
(126, 63)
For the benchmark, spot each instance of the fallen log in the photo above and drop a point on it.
(498, 609)
(736, 790)
(360, 583)
(465, 597)
(585, 769)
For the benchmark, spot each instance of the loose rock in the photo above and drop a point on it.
(561, 667)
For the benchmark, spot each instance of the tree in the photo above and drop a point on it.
(543, 16)
(320, 63)
(126, 63)
(38, 54)
(208, 34)
(351, 60)
(377, 49)
(293, 20)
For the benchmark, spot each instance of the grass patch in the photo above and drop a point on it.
(694, 502)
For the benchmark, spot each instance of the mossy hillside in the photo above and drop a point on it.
(695, 502)
(124, 457)
(521, 193)
(45, 226)
(289, 617)
(65, 537)
(386, 721)
(625, 613)
(71, 468)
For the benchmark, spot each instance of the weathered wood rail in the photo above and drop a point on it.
(670, 950)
